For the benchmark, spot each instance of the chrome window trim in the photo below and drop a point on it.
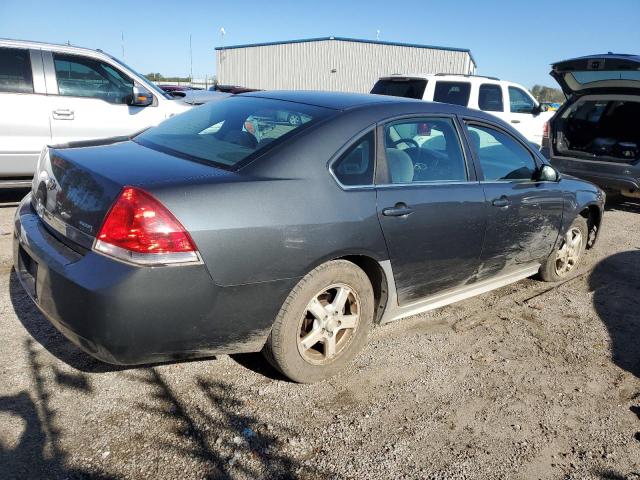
(435, 183)
(336, 156)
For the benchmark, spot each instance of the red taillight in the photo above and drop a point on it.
(545, 130)
(138, 228)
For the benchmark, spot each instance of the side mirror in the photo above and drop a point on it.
(141, 97)
(548, 174)
(538, 109)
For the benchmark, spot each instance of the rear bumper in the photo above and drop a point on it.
(607, 175)
(126, 314)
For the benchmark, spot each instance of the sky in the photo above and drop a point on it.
(513, 40)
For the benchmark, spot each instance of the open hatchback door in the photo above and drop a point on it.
(598, 73)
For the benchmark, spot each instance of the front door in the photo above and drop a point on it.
(92, 101)
(430, 207)
(523, 215)
(524, 115)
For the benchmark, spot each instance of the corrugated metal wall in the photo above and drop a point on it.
(331, 64)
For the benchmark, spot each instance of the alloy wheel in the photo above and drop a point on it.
(568, 254)
(328, 323)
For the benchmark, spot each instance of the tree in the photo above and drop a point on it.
(547, 94)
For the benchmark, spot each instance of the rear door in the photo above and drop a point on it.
(524, 215)
(430, 206)
(90, 100)
(24, 120)
(452, 92)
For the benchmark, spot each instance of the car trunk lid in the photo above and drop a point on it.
(74, 188)
(609, 73)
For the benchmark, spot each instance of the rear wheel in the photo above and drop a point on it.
(323, 323)
(565, 257)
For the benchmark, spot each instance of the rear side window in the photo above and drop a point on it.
(490, 98)
(15, 71)
(501, 156)
(424, 150)
(456, 93)
(233, 131)
(520, 102)
(84, 77)
(355, 166)
(402, 87)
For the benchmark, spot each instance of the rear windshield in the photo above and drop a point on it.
(456, 93)
(604, 75)
(232, 132)
(401, 87)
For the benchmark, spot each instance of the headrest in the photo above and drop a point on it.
(400, 166)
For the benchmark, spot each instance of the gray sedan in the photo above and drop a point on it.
(226, 230)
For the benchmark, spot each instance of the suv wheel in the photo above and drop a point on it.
(567, 254)
(323, 323)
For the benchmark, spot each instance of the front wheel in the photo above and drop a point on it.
(565, 257)
(323, 323)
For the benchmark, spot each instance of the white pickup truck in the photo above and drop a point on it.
(506, 100)
(51, 94)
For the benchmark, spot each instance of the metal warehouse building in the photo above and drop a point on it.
(332, 63)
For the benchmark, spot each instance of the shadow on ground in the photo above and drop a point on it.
(39, 453)
(615, 283)
(214, 434)
(623, 204)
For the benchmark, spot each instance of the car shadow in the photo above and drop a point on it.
(615, 283)
(622, 204)
(258, 364)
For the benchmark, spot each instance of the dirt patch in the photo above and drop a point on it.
(530, 381)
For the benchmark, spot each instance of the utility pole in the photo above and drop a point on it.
(191, 60)
(122, 41)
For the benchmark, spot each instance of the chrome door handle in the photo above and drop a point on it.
(501, 202)
(515, 121)
(63, 114)
(400, 210)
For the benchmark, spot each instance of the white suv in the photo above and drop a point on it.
(506, 100)
(53, 94)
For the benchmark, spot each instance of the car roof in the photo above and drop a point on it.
(441, 76)
(7, 42)
(605, 56)
(333, 100)
(373, 103)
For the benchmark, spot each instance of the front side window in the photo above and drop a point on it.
(424, 150)
(501, 156)
(355, 166)
(456, 93)
(519, 101)
(15, 71)
(231, 132)
(84, 77)
(490, 98)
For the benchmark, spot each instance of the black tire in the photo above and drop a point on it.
(550, 271)
(285, 349)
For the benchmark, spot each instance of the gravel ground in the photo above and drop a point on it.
(533, 381)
